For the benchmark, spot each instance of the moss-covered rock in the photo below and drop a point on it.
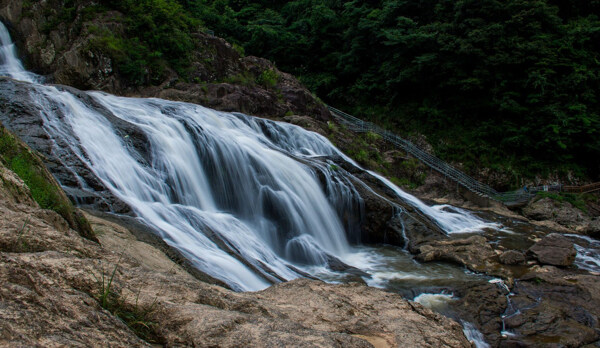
(40, 184)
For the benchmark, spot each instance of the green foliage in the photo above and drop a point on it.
(372, 137)
(244, 79)
(268, 78)
(577, 200)
(136, 317)
(239, 49)
(361, 156)
(158, 35)
(491, 83)
(65, 14)
(332, 126)
(509, 85)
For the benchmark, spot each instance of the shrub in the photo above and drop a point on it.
(268, 78)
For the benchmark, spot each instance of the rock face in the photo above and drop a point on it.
(483, 304)
(565, 316)
(48, 190)
(563, 213)
(555, 250)
(593, 229)
(511, 257)
(64, 53)
(53, 283)
(473, 252)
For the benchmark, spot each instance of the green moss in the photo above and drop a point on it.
(579, 201)
(44, 190)
(244, 79)
(372, 137)
(24, 164)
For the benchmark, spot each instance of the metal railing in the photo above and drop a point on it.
(357, 125)
(583, 189)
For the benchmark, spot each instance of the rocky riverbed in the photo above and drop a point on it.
(543, 289)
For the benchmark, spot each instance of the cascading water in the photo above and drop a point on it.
(10, 65)
(246, 200)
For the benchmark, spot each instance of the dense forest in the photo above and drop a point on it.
(511, 85)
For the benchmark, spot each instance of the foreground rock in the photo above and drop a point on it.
(555, 250)
(52, 281)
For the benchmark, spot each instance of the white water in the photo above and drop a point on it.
(10, 65)
(436, 302)
(588, 252)
(450, 219)
(246, 200)
(474, 335)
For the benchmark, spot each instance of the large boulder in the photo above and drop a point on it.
(555, 250)
(473, 252)
(482, 304)
(511, 257)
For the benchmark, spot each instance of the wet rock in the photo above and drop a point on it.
(387, 218)
(555, 306)
(337, 265)
(512, 257)
(482, 304)
(473, 252)
(22, 117)
(554, 249)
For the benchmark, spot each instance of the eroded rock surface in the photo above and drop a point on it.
(554, 249)
(556, 307)
(512, 257)
(474, 252)
(562, 213)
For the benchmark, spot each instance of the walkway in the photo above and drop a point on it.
(508, 198)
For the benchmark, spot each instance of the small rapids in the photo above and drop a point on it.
(248, 201)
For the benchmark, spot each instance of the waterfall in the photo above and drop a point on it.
(10, 65)
(246, 200)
